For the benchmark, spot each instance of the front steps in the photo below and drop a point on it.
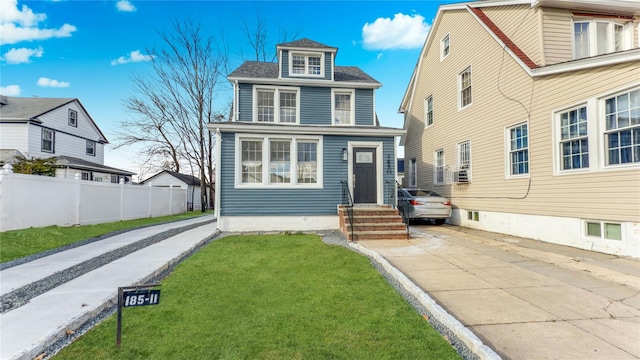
(373, 223)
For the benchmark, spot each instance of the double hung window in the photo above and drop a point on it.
(464, 86)
(518, 137)
(574, 141)
(91, 148)
(428, 111)
(276, 105)
(622, 128)
(413, 173)
(438, 177)
(279, 161)
(48, 140)
(343, 107)
(73, 118)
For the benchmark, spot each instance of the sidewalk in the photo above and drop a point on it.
(29, 329)
(523, 298)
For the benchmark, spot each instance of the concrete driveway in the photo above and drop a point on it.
(523, 298)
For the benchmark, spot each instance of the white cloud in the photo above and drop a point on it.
(401, 32)
(22, 55)
(125, 5)
(10, 90)
(18, 25)
(45, 82)
(133, 57)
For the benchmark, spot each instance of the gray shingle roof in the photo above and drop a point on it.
(17, 108)
(267, 70)
(306, 43)
(187, 179)
(76, 163)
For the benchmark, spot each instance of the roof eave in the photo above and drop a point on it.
(303, 82)
(237, 127)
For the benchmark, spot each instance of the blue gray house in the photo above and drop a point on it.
(301, 131)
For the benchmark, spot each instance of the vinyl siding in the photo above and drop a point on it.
(328, 66)
(315, 105)
(504, 95)
(556, 35)
(64, 144)
(521, 24)
(364, 107)
(14, 136)
(270, 201)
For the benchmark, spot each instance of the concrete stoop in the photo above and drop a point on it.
(372, 223)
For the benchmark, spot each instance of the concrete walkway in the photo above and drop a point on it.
(525, 299)
(26, 331)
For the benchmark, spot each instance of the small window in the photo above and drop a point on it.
(444, 47)
(428, 111)
(306, 64)
(91, 148)
(473, 215)
(604, 230)
(518, 137)
(413, 176)
(86, 175)
(48, 140)
(73, 118)
(343, 107)
(438, 175)
(464, 85)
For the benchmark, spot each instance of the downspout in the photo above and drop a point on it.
(217, 186)
(236, 94)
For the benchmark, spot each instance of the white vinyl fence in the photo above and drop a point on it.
(36, 201)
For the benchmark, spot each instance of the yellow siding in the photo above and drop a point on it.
(521, 24)
(556, 35)
(505, 95)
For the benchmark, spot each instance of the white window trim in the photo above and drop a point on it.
(73, 114)
(266, 184)
(276, 102)
(379, 146)
(413, 172)
(426, 112)
(435, 167)
(459, 160)
(592, 135)
(87, 148)
(306, 63)
(592, 21)
(602, 230)
(53, 141)
(596, 133)
(459, 93)
(507, 149)
(442, 54)
(352, 92)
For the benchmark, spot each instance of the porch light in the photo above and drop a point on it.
(345, 156)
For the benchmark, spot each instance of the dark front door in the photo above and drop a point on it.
(364, 176)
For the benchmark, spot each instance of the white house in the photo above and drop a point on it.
(55, 127)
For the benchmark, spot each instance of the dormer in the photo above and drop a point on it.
(306, 59)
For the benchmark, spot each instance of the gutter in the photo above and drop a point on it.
(217, 187)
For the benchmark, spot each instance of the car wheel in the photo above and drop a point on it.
(439, 221)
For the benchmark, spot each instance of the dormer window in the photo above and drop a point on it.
(303, 64)
(597, 36)
(73, 118)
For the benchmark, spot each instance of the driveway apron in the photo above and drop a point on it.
(524, 298)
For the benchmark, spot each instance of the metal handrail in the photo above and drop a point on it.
(347, 200)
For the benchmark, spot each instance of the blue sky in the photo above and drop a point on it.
(90, 49)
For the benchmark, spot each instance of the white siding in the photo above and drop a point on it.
(14, 136)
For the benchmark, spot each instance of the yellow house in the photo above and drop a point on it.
(527, 115)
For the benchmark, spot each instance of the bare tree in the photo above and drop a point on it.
(174, 103)
(257, 37)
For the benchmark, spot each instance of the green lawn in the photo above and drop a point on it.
(20, 243)
(269, 297)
